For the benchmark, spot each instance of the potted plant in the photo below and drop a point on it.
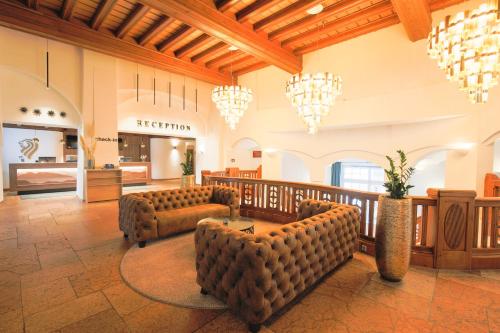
(187, 179)
(394, 224)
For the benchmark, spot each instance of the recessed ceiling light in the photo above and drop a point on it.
(232, 48)
(315, 10)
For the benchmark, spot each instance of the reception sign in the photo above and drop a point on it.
(163, 125)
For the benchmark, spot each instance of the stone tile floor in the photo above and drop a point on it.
(59, 262)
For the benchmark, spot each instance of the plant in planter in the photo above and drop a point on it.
(89, 150)
(394, 223)
(187, 179)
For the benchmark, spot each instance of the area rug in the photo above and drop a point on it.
(165, 271)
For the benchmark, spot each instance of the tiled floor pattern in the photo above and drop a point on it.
(59, 273)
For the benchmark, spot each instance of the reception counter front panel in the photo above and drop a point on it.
(42, 176)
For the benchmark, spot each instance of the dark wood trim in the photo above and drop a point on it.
(39, 128)
(132, 19)
(180, 52)
(181, 32)
(67, 9)
(103, 9)
(286, 13)
(258, 6)
(155, 29)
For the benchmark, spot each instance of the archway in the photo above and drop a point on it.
(293, 168)
(430, 171)
(356, 174)
(245, 154)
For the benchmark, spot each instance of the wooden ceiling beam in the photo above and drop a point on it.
(103, 9)
(415, 16)
(33, 4)
(236, 63)
(212, 22)
(256, 7)
(67, 9)
(204, 55)
(17, 17)
(182, 51)
(224, 5)
(131, 20)
(333, 26)
(156, 28)
(308, 21)
(286, 13)
(358, 31)
(200, 46)
(199, 43)
(250, 68)
(229, 56)
(167, 43)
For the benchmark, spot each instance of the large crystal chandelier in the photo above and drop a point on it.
(313, 95)
(467, 46)
(232, 102)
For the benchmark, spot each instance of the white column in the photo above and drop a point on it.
(99, 110)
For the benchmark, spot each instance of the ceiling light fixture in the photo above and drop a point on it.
(232, 48)
(467, 48)
(315, 10)
(231, 101)
(313, 95)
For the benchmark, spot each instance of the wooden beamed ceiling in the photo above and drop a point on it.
(192, 37)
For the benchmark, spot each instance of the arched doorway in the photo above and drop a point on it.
(245, 154)
(430, 172)
(357, 174)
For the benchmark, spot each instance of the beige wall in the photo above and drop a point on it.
(394, 97)
(96, 89)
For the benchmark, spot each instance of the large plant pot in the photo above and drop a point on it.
(187, 181)
(393, 237)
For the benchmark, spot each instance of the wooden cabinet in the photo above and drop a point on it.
(103, 184)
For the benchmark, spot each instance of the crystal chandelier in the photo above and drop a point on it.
(232, 102)
(467, 46)
(313, 95)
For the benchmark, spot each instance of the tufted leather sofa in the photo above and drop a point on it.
(257, 275)
(150, 215)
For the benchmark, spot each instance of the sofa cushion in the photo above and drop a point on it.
(184, 219)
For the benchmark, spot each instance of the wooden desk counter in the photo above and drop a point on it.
(103, 184)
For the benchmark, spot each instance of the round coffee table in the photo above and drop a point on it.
(244, 224)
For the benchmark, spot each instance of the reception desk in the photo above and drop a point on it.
(42, 176)
(136, 173)
(27, 177)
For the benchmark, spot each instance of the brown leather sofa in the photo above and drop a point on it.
(257, 275)
(151, 215)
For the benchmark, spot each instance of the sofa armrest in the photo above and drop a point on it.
(227, 196)
(310, 207)
(137, 218)
(231, 265)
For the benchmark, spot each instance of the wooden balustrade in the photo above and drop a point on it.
(235, 172)
(434, 218)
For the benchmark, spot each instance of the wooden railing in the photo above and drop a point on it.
(235, 172)
(278, 201)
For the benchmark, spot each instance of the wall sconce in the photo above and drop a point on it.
(270, 151)
(175, 147)
(462, 147)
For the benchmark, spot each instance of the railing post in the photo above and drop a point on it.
(204, 174)
(455, 228)
(232, 172)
